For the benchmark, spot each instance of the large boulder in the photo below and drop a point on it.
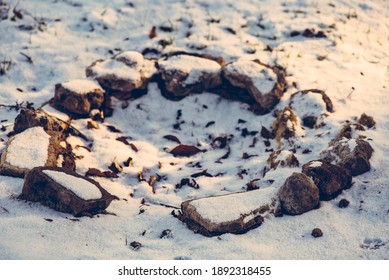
(184, 73)
(125, 75)
(298, 194)
(78, 97)
(28, 149)
(65, 191)
(233, 213)
(329, 178)
(264, 83)
(349, 151)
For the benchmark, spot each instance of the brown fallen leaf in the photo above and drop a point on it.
(92, 124)
(153, 32)
(133, 147)
(113, 129)
(172, 138)
(115, 167)
(98, 173)
(128, 162)
(123, 139)
(185, 150)
(202, 173)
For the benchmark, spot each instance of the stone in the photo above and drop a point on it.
(264, 83)
(125, 75)
(53, 126)
(343, 203)
(367, 121)
(183, 73)
(282, 158)
(285, 126)
(311, 106)
(18, 158)
(329, 178)
(233, 213)
(298, 194)
(4, 9)
(78, 97)
(65, 191)
(317, 232)
(351, 153)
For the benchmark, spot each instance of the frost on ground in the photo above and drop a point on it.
(337, 48)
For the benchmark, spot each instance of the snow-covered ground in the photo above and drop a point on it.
(45, 42)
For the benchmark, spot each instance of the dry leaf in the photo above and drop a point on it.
(172, 138)
(185, 150)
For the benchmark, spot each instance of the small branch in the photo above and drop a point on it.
(29, 59)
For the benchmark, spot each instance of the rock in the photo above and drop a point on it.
(78, 97)
(329, 178)
(351, 153)
(298, 194)
(233, 213)
(343, 203)
(282, 158)
(65, 191)
(124, 76)
(264, 83)
(18, 158)
(4, 9)
(184, 73)
(53, 126)
(285, 126)
(311, 106)
(317, 232)
(367, 121)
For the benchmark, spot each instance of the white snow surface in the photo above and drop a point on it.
(196, 67)
(350, 65)
(29, 149)
(80, 187)
(262, 77)
(228, 208)
(315, 164)
(82, 86)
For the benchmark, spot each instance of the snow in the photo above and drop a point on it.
(314, 164)
(231, 207)
(29, 149)
(117, 69)
(194, 66)
(81, 187)
(82, 86)
(352, 70)
(263, 78)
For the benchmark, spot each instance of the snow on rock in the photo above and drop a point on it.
(37, 117)
(349, 151)
(183, 74)
(232, 213)
(82, 188)
(329, 178)
(82, 86)
(266, 84)
(65, 191)
(311, 106)
(78, 97)
(284, 158)
(298, 194)
(125, 76)
(26, 150)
